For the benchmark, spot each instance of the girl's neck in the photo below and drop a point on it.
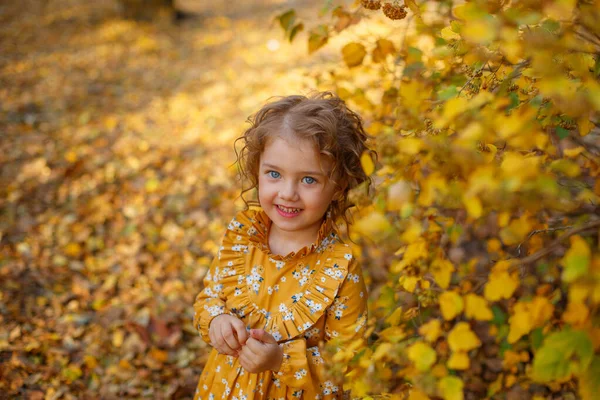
(284, 242)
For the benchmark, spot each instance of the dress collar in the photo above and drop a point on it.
(262, 224)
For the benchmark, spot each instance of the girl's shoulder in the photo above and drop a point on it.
(246, 226)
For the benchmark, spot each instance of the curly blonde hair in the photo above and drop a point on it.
(322, 118)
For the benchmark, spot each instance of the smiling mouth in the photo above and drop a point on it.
(289, 210)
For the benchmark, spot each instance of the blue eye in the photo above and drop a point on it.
(273, 174)
(309, 180)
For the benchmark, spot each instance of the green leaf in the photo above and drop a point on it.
(514, 101)
(537, 337)
(299, 27)
(597, 67)
(317, 38)
(562, 354)
(447, 93)
(287, 19)
(589, 384)
(551, 25)
(499, 316)
(562, 132)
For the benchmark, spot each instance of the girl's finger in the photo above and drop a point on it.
(254, 346)
(246, 363)
(223, 346)
(242, 333)
(230, 338)
(247, 352)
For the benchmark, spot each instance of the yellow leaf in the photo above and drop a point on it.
(117, 339)
(448, 34)
(541, 310)
(71, 156)
(422, 355)
(409, 283)
(529, 315)
(574, 152)
(412, 5)
(381, 351)
(410, 145)
(520, 322)
(480, 31)
(567, 167)
(560, 10)
(576, 313)
(415, 251)
(412, 232)
(477, 307)
(585, 126)
(442, 272)
(462, 338)
(394, 318)
(459, 360)
(451, 388)
(431, 330)
(73, 249)
(416, 394)
(516, 231)
(576, 260)
(414, 95)
(374, 224)
(383, 47)
(159, 355)
(393, 334)
(367, 163)
(501, 283)
(354, 53)
(510, 380)
(434, 187)
(452, 108)
(451, 305)
(473, 206)
(90, 361)
(511, 359)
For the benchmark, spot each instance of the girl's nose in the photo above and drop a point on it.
(288, 193)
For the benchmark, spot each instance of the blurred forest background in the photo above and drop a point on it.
(116, 151)
(480, 244)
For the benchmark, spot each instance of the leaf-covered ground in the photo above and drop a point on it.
(116, 182)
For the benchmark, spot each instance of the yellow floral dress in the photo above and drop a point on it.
(314, 294)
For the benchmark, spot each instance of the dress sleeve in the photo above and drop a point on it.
(345, 326)
(210, 302)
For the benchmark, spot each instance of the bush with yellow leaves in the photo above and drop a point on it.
(482, 237)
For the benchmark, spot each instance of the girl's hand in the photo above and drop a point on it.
(227, 334)
(261, 352)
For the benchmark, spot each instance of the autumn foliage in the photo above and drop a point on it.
(480, 240)
(482, 236)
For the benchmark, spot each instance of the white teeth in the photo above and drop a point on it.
(289, 210)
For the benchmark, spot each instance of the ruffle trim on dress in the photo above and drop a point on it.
(258, 234)
(299, 314)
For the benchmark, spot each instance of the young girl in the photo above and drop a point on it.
(283, 281)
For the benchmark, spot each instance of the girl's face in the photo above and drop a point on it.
(293, 186)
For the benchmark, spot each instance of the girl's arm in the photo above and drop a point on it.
(345, 325)
(210, 302)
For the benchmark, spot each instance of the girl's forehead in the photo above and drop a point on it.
(292, 140)
(297, 152)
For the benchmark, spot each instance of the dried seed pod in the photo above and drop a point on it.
(394, 11)
(371, 4)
